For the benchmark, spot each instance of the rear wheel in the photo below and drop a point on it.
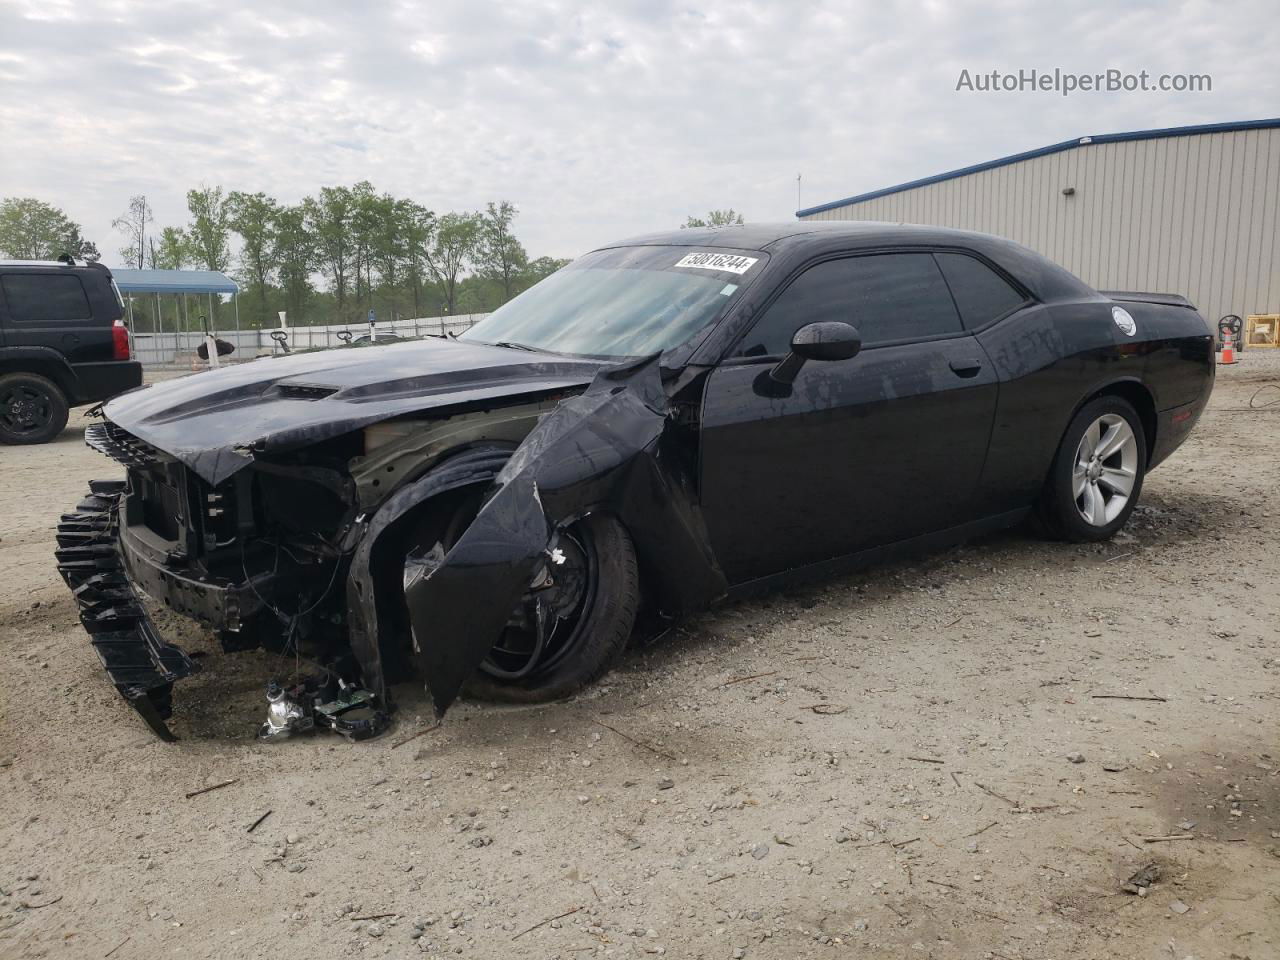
(567, 631)
(32, 409)
(1097, 474)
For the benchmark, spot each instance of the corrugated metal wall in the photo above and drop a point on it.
(1195, 215)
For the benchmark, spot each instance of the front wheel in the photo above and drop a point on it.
(566, 634)
(1097, 474)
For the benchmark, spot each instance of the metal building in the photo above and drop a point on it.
(1188, 210)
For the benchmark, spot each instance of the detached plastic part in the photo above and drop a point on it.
(140, 664)
(318, 703)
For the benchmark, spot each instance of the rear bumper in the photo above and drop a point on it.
(1172, 427)
(96, 382)
(140, 664)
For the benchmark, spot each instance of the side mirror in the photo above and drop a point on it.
(826, 340)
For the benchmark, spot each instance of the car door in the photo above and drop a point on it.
(51, 309)
(858, 453)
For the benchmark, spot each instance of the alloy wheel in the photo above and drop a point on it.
(1105, 469)
(25, 409)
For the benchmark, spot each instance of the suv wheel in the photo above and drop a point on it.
(32, 409)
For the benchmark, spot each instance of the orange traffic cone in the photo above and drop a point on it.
(1228, 351)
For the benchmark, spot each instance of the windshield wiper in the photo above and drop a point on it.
(511, 345)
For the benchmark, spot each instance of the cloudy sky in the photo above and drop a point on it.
(598, 120)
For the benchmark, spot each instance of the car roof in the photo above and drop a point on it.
(42, 266)
(761, 236)
(1044, 278)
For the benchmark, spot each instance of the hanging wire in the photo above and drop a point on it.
(1271, 402)
(290, 620)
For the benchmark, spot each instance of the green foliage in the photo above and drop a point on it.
(253, 217)
(716, 218)
(373, 251)
(208, 235)
(328, 219)
(31, 229)
(542, 268)
(451, 249)
(499, 254)
(171, 252)
(293, 253)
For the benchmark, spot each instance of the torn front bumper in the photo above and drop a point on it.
(140, 664)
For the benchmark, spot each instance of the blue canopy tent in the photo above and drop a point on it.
(176, 283)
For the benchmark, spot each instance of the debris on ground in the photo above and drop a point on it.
(1142, 880)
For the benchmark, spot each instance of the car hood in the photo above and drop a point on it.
(212, 421)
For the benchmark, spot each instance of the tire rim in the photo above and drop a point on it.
(1105, 470)
(25, 410)
(547, 627)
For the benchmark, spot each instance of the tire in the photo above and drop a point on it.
(32, 409)
(601, 631)
(1084, 499)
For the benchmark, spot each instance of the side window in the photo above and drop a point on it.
(981, 294)
(45, 297)
(890, 296)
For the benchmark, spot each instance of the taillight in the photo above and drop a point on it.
(119, 341)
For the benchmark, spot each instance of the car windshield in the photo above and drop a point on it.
(623, 302)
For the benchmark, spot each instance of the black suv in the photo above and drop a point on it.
(63, 343)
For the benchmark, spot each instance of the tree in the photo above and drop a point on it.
(365, 215)
(210, 228)
(171, 252)
(133, 224)
(716, 218)
(253, 217)
(328, 220)
(390, 251)
(419, 223)
(451, 248)
(79, 247)
(31, 229)
(293, 252)
(500, 254)
(540, 269)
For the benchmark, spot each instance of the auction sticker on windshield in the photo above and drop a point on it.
(726, 262)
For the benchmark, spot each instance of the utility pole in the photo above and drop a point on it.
(799, 205)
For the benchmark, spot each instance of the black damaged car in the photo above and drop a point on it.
(665, 422)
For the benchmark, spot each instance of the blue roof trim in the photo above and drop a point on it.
(174, 281)
(1045, 151)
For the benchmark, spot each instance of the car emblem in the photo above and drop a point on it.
(1124, 320)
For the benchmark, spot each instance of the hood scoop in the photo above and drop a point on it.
(304, 391)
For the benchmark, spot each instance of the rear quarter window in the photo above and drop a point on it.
(981, 294)
(45, 297)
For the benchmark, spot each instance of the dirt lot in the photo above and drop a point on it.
(879, 766)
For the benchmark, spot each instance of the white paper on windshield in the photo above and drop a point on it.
(724, 262)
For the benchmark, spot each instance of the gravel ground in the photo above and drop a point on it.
(918, 760)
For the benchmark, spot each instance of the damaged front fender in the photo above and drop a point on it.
(610, 448)
(477, 466)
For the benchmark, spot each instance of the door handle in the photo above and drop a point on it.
(968, 367)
